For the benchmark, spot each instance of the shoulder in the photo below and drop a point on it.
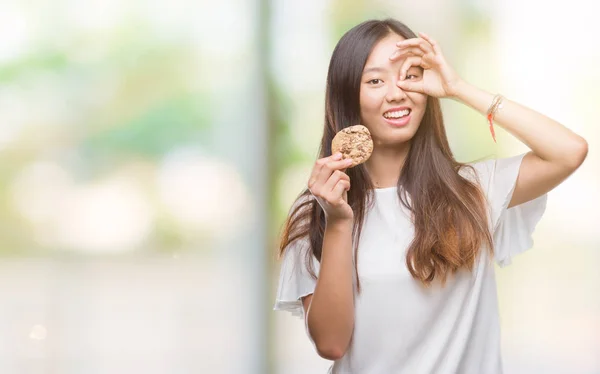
(302, 204)
(488, 169)
(478, 172)
(296, 231)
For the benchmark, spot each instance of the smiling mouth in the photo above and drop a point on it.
(398, 114)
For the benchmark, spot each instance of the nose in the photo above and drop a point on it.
(395, 93)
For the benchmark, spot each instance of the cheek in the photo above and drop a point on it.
(422, 100)
(369, 102)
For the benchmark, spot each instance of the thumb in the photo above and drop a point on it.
(411, 86)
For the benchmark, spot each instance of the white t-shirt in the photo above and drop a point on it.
(402, 327)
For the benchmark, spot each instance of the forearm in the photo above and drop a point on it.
(331, 314)
(548, 139)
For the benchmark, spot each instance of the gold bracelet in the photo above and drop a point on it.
(496, 104)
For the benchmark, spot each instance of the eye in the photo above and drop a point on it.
(373, 80)
(411, 76)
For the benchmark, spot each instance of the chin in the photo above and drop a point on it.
(394, 139)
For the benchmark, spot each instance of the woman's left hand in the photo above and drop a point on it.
(439, 79)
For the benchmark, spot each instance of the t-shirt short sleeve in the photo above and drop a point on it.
(512, 229)
(295, 280)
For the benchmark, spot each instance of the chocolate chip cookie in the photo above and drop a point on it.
(353, 142)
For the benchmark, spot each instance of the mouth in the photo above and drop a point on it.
(397, 117)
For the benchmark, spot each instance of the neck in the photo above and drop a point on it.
(385, 164)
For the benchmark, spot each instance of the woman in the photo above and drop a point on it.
(391, 262)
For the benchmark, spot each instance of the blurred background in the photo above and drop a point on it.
(150, 152)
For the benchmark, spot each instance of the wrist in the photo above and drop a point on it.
(339, 224)
(458, 90)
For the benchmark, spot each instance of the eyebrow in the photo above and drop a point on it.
(373, 69)
(379, 69)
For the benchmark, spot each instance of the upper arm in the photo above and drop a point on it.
(537, 176)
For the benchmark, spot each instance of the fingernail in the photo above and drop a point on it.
(337, 156)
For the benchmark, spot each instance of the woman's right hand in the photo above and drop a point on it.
(329, 184)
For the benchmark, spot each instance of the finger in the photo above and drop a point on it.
(339, 191)
(407, 64)
(333, 179)
(406, 51)
(327, 170)
(319, 165)
(408, 85)
(416, 43)
(330, 167)
(434, 44)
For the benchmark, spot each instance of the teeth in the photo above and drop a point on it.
(398, 114)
